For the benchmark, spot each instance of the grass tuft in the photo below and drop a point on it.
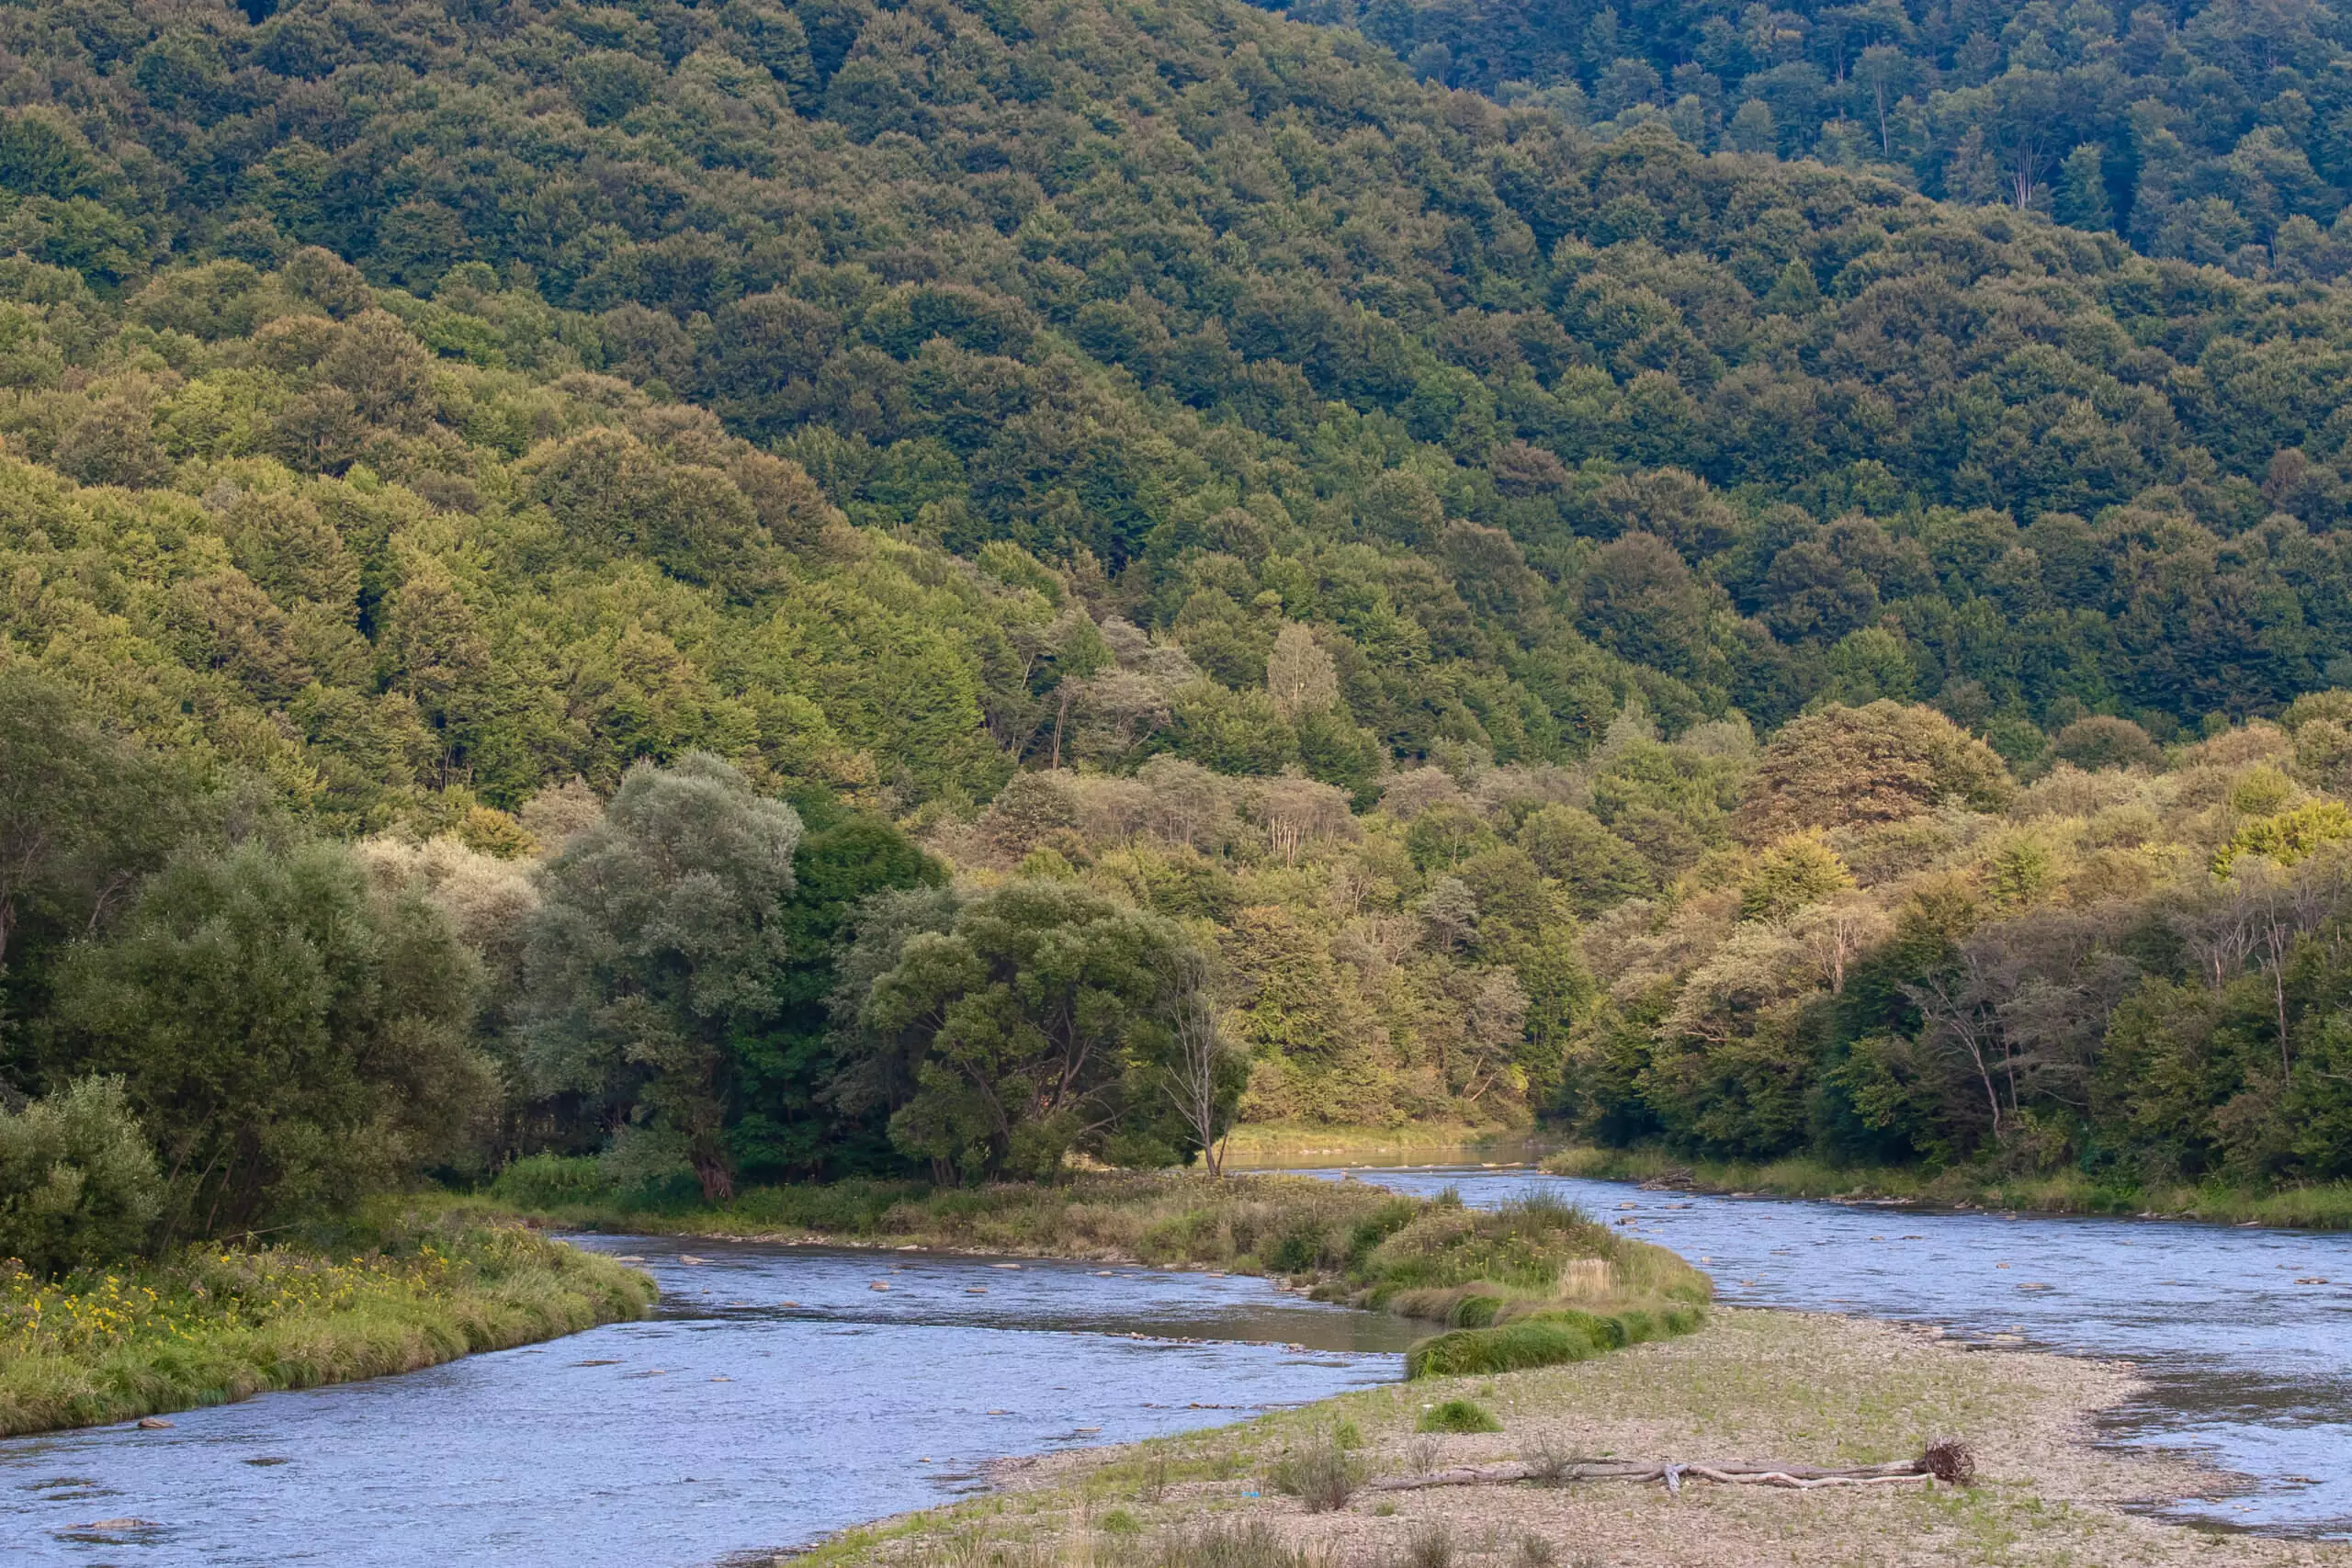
(1321, 1473)
(1458, 1417)
(1429, 1546)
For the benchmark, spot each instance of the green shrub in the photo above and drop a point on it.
(553, 1181)
(78, 1186)
(293, 1037)
(1533, 1342)
(1458, 1415)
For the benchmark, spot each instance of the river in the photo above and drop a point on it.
(776, 1396)
(779, 1394)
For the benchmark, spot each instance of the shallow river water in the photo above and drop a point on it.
(779, 1394)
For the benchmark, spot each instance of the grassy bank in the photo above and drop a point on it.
(1290, 1490)
(2328, 1207)
(220, 1323)
(1428, 1259)
(1282, 1142)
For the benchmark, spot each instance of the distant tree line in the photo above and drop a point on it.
(2215, 133)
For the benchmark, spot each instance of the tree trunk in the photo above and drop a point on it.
(2278, 990)
(710, 1169)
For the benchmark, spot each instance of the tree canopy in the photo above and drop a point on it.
(660, 940)
(2217, 133)
(291, 1038)
(775, 590)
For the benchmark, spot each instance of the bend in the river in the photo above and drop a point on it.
(782, 1393)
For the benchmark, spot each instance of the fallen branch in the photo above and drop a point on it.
(1949, 1463)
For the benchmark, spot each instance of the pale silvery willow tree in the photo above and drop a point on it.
(659, 943)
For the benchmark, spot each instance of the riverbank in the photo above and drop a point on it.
(1276, 1143)
(1802, 1389)
(1430, 1258)
(2328, 1207)
(222, 1324)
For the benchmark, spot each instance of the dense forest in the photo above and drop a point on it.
(2217, 133)
(782, 591)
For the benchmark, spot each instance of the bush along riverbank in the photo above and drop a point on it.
(2323, 1207)
(219, 1322)
(1537, 1273)
(1671, 1454)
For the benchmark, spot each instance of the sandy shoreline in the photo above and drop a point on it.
(1755, 1385)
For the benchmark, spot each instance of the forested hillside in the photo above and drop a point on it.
(1082, 276)
(832, 589)
(2219, 133)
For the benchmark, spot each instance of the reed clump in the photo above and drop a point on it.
(1244, 1544)
(1473, 1268)
(1318, 1471)
(1548, 1338)
(1529, 1284)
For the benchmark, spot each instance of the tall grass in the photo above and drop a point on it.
(1319, 1473)
(1221, 1543)
(220, 1323)
(1486, 1268)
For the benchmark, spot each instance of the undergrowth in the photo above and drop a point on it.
(217, 1324)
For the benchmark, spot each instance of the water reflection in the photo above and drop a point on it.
(778, 1395)
(2245, 1335)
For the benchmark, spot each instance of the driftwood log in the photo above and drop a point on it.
(1949, 1463)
